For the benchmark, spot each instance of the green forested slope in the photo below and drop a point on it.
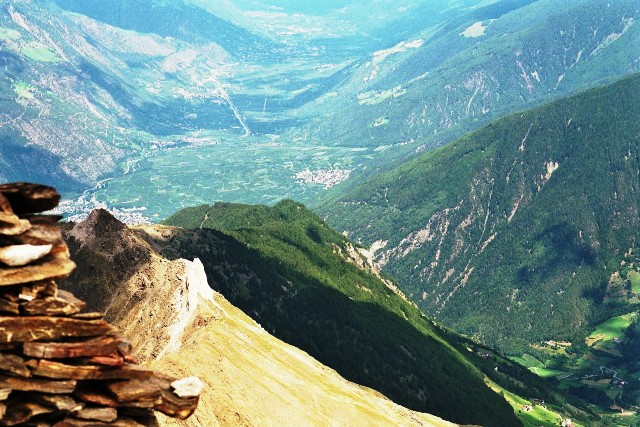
(300, 280)
(511, 233)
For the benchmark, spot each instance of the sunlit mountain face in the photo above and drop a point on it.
(148, 106)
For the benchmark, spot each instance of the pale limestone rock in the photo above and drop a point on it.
(187, 387)
(19, 255)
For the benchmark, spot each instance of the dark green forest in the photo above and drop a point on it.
(306, 284)
(511, 233)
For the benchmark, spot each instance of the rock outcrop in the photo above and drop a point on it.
(60, 366)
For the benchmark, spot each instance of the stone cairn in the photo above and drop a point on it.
(60, 366)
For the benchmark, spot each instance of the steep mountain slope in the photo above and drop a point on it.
(80, 94)
(511, 233)
(178, 324)
(309, 286)
(466, 67)
(111, 100)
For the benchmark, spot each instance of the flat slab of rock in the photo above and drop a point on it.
(53, 266)
(61, 305)
(25, 198)
(14, 364)
(57, 370)
(19, 413)
(28, 329)
(37, 384)
(98, 414)
(12, 225)
(100, 346)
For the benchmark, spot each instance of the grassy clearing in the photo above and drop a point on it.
(538, 415)
(23, 90)
(611, 329)
(532, 362)
(9, 34)
(634, 277)
(39, 52)
(547, 373)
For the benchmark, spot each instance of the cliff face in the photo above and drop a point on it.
(178, 324)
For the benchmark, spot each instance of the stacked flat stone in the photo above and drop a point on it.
(60, 366)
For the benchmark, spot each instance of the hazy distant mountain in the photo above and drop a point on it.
(512, 233)
(465, 67)
(286, 93)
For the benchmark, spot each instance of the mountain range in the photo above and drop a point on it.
(511, 233)
(471, 170)
(264, 102)
(351, 320)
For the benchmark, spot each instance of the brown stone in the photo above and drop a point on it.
(113, 360)
(177, 407)
(92, 394)
(9, 346)
(38, 234)
(94, 315)
(36, 384)
(61, 305)
(148, 421)
(75, 422)
(20, 412)
(12, 225)
(29, 291)
(27, 198)
(60, 402)
(28, 329)
(42, 219)
(120, 422)
(57, 370)
(56, 265)
(9, 307)
(4, 393)
(137, 389)
(100, 346)
(5, 206)
(98, 414)
(14, 364)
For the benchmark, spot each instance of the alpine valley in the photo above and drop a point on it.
(347, 212)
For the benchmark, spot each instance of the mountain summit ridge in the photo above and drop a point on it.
(178, 323)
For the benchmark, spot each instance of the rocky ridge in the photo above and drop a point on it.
(60, 366)
(180, 325)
